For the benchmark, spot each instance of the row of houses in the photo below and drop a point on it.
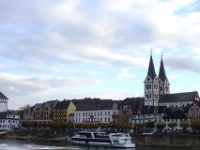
(66, 111)
(130, 110)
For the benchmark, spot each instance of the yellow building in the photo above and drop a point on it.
(62, 110)
(38, 112)
(43, 113)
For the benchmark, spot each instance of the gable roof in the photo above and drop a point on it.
(2, 96)
(151, 70)
(144, 109)
(177, 97)
(62, 104)
(162, 74)
(50, 104)
(94, 104)
(135, 102)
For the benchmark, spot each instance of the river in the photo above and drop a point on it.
(13, 144)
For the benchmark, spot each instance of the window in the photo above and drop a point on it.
(166, 88)
(160, 88)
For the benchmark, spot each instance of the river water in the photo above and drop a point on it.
(13, 144)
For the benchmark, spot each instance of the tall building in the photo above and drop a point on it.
(3, 102)
(155, 86)
(151, 86)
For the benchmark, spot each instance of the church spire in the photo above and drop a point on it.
(151, 70)
(162, 74)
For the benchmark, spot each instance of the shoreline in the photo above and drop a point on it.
(158, 140)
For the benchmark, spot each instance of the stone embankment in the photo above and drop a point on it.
(171, 140)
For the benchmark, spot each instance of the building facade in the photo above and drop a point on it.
(148, 113)
(194, 111)
(3, 102)
(99, 115)
(62, 110)
(9, 120)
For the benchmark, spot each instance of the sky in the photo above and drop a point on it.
(72, 49)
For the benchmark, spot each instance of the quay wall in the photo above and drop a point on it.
(171, 140)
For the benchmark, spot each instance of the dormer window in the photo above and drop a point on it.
(148, 79)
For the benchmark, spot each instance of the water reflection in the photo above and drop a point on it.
(12, 144)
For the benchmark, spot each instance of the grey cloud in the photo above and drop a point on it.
(183, 63)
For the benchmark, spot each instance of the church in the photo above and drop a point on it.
(157, 89)
(159, 104)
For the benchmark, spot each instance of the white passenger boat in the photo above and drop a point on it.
(122, 140)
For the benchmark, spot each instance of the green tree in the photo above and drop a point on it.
(172, 125)
(150, 124)
(160, 125)
(26, 124)
(55, 125)
(195, 125)
(185, 124)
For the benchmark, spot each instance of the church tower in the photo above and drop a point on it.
(163, 81)
(151, 86)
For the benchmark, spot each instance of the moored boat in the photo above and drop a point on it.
(122, 140)
(2, 133)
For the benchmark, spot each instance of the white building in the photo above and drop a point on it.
(3, 102)
(178, 99)
(102, 115)
(9, 120)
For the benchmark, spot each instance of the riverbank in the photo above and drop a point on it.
(169, 140)
(36, 136)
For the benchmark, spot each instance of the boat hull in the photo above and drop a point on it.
(100, 142)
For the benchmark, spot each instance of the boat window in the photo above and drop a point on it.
(86, 134)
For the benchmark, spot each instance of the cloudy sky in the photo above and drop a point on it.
(56, 49)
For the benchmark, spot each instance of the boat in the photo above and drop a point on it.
(120, 140)
(2, 133)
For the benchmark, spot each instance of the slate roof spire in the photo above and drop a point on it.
(151, 70)
(162, 74)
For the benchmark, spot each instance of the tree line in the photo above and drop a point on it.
(184, 125)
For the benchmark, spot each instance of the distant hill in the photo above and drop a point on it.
(94, 103)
